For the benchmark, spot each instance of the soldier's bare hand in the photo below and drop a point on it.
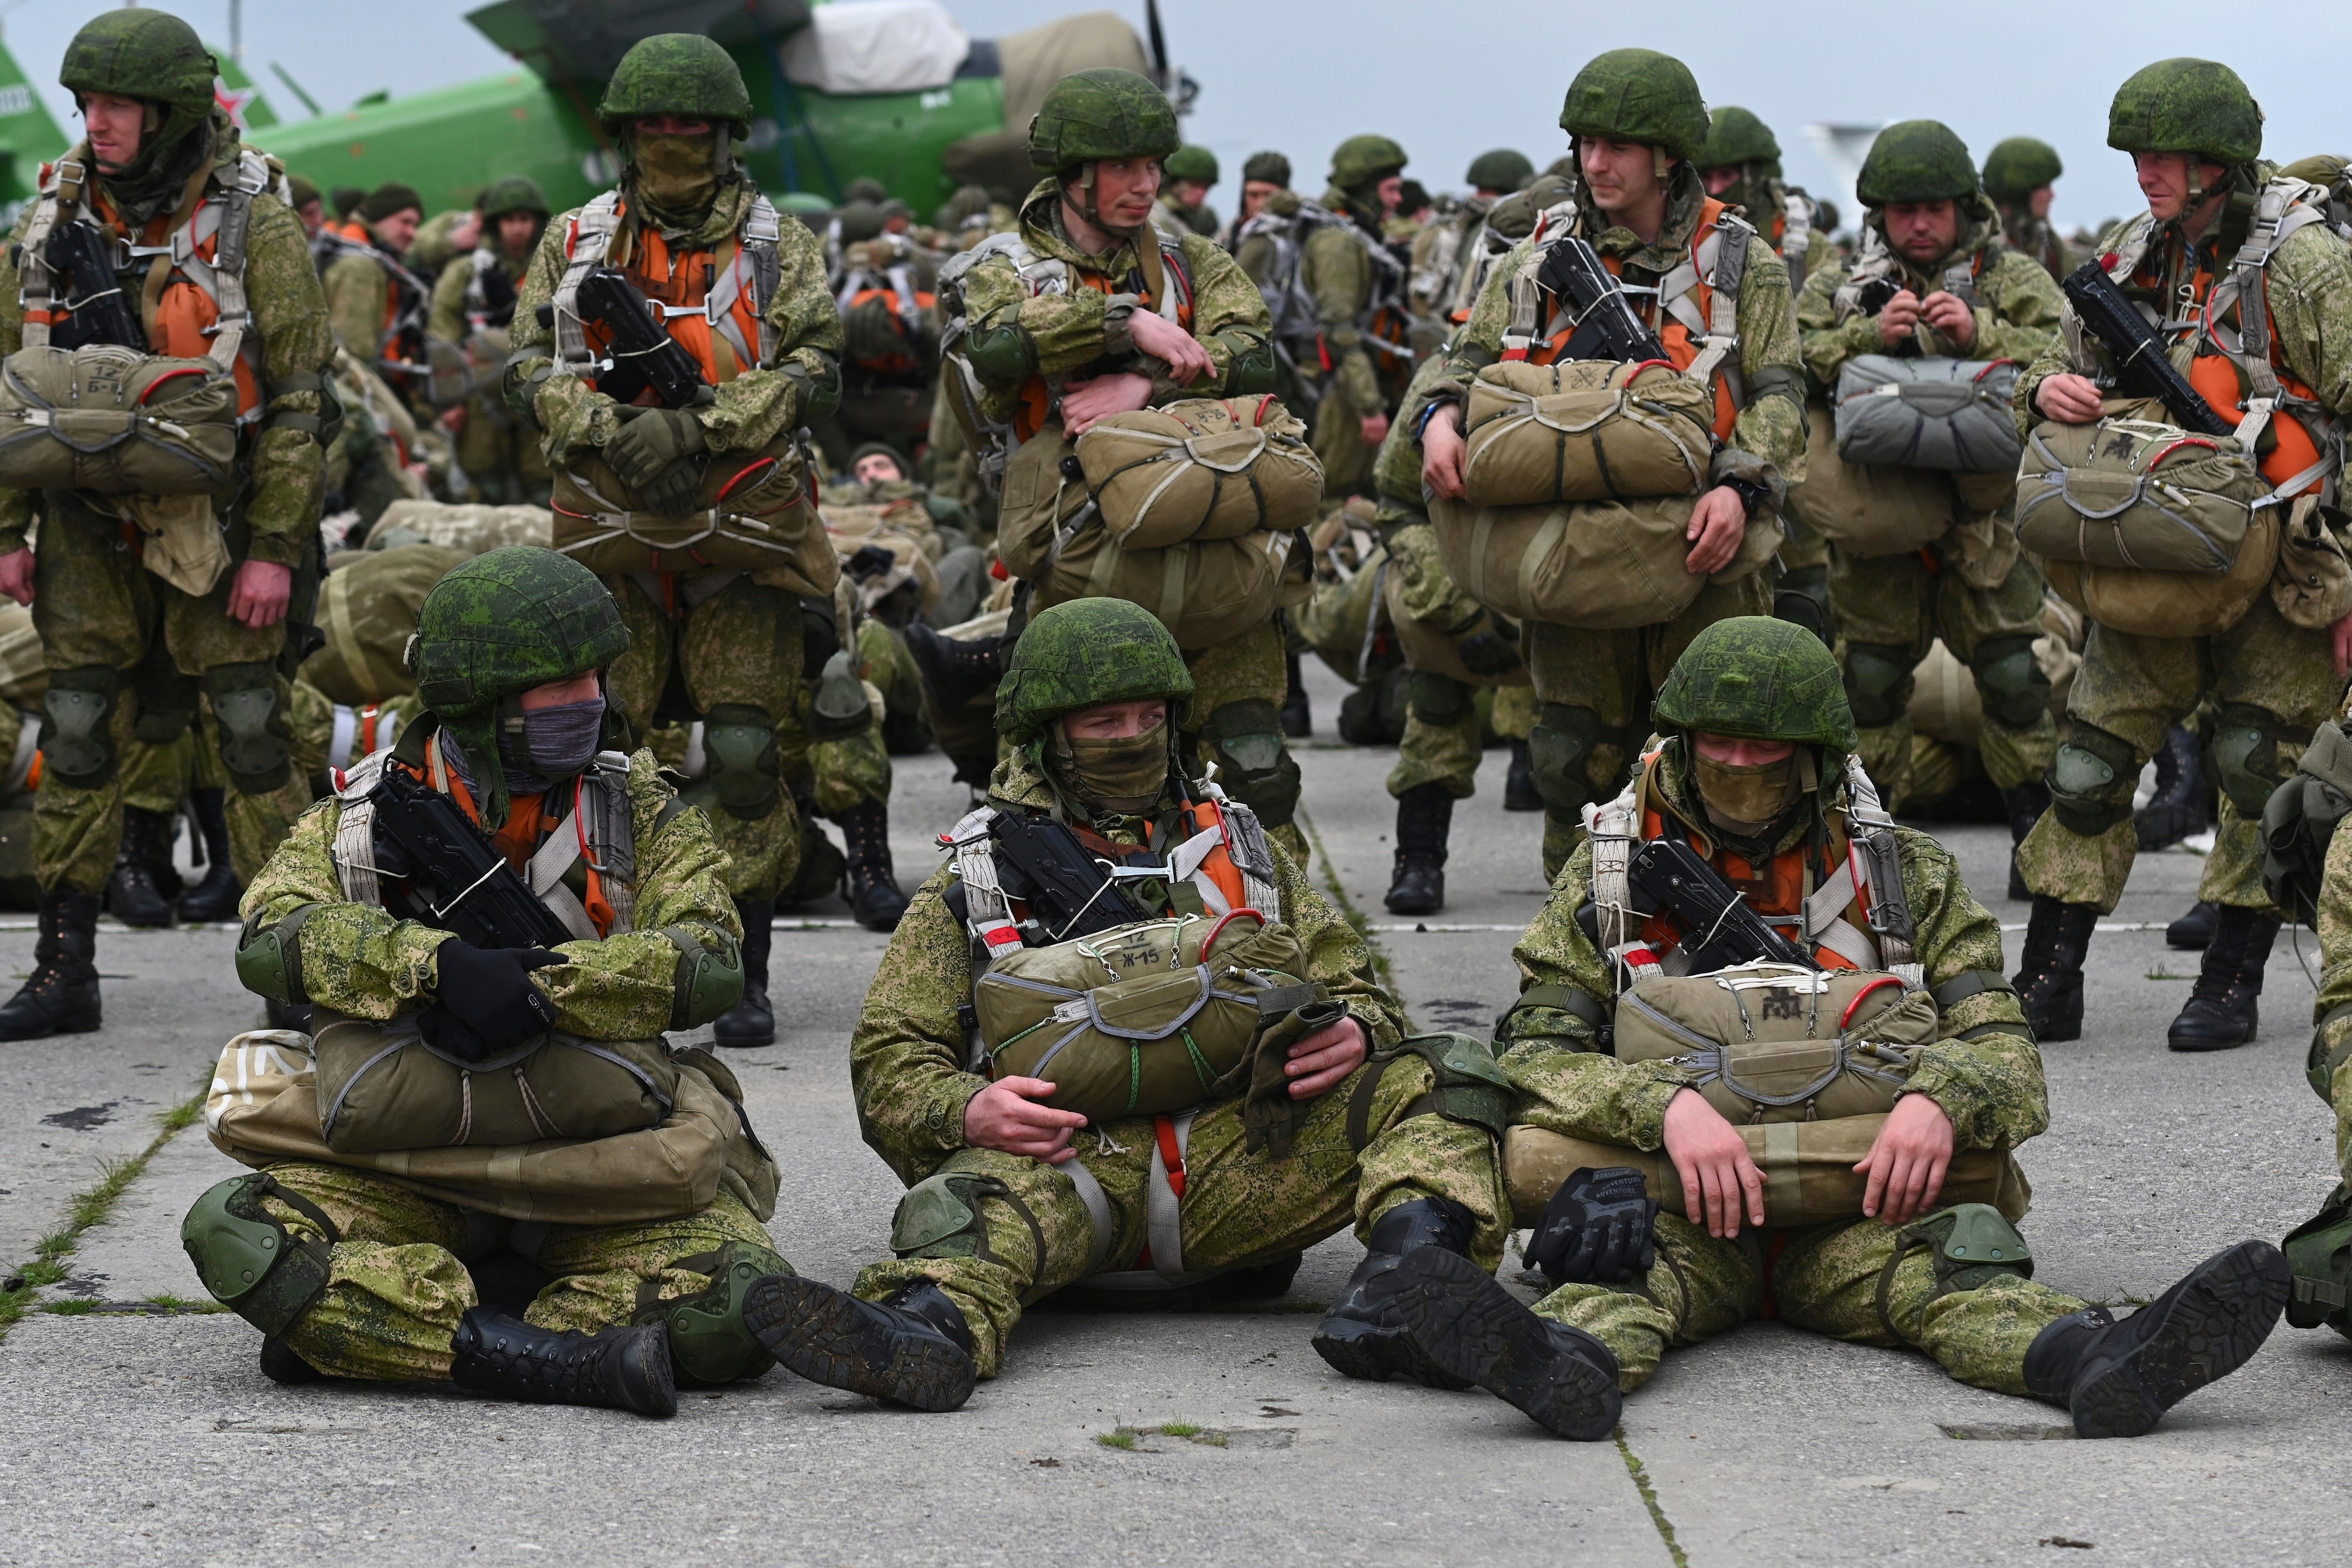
(1441, 451)
(17, 575)
(1950, 314)
(260, 593)
(1720, 1179)
(1085, 404)
(2341, 633)
(1321, 1061)
(2068, 398)
(1375, 428)
(1162, 339)
(1908, 1160)
(1718, 522)
(1898, 318)
(1006, 1117)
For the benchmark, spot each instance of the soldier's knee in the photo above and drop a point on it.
(1439, 700)
(78, 736)
(1561, 748)
(2246, 756)
(709, 1340)
(1260, 771)
(939, 1216)
(256, 742)
(1877, 682)
(2091, 779)
(250, 1262)
(739, 744)
(1974, 1244)
(2010, 681)
(1802, 597)
(840, 706)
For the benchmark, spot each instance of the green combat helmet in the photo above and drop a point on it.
(1192, 162)
(1105, 112)
(1362, 161)
(1735, 137)
(1915, 161)
(1760, 679)
(152, 56)
(2187, 106)
(1269, 168)
(684, 74)
(2019, 167)
(515, 194)
(1637, 95)
(1083, 654)
(1501, 170)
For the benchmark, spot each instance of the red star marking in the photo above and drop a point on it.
(233, 101)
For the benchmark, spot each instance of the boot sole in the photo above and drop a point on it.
(65, 1027)
(816, 1331)
(2175, 1040)
(2211, 1329)
(1380, 1359)
(1472, 1328)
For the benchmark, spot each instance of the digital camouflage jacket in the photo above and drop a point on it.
(2017, 309)
(1337, 270)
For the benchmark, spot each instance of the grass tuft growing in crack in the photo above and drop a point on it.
(1650, 1500)
(1347, 910)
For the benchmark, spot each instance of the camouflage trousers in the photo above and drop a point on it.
(1826, 1279)
(2269, 682)
(159, 655)
(1236, 707)
(1593, 691)
(1444, 727)
(1338, 438)
(499, 454)
(837, 773)
(1890, 609)
(397, 1282)
(692, 650)
(1238, 1210)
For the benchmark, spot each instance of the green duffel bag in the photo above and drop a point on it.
(1585, 430)
(1143, 1019)
(1774, 1042)
(2135, 494)
(381, 1087)
(1948, 414)
(115, 421)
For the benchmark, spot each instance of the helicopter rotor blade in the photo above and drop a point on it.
(1158, 40)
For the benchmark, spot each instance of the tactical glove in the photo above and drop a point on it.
(1598, 1226)
(659, 455)
(1489, 652)
(869, 561)
(484, 1002)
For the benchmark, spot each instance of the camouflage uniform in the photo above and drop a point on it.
(1349, 286)
(376, 305)
(2013, 171)
(495, 448)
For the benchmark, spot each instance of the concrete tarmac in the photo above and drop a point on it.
(137, 1435)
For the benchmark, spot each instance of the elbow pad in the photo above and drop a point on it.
(710, 979)
(1003, 354)
(1252, 370)
(270, 961)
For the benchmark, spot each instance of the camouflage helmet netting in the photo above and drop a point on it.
(1761, 679)
(1083, 654)
(505, 622)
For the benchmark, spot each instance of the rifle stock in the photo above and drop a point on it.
(100, 312)
(642, 353)
(1605, 325)
(439, 869)
(2142, 367)
(1722, 929)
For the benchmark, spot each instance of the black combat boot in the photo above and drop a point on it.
(874, 897)
(955, 672)
(2194, 930)
(2179, 806)
(1472, 1328)
(1363, 1335)
(752, 1022)
(214, 897)
(1297, 721)
(1424, 816)
(2221, 1012)
(1519, 791)
(913, 1349)
(2024, 803)
(2049, 977)
(495, 1353)
(2117, 1378)
(60, 997)
(280, 1364)
(131, 895)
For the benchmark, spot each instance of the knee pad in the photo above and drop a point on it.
(839, 707)
(1438, 700)
(1264, 775)
(256, 743)
(78, 739)
(745, 774)
(251, 1263)
(1471, 1084)
(2011, 683)
(1802, 598)
(1560, 756)
(1877, 683)
(269, 959)
(1973, 1244)
(2091, 779)
(709, 1340)
(2246, 756)
(939, 1216)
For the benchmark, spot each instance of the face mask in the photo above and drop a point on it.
(555, 743)
(675, 173)
(1122, 778)
(1747, 800)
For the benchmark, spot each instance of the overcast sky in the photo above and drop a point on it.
(1449, 80)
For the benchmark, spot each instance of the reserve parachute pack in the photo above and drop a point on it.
(1577, 430)
(368, 612)
(1203, 467)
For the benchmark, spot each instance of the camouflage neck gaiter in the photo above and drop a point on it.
(674, 176)
(1111, 778)
(1746, 801)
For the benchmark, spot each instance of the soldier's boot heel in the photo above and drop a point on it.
(1364, 1334)
(1519, 791)
(1560, 1377)
(133, 894)
(752, 1021)
(60, 997)
(280, 1364)
(2049, 978)
(495, 1353)
(875, 901)
(1424, 820)
(2223, 1011)
(913, 1349)
(2117, 1379)
(955, 672)
(214, 897)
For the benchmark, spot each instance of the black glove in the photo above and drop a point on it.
(484, 1003)
(1489, 652)
(659, 455)
(1597, 1227)
(869, 561)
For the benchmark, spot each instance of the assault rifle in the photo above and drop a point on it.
(1068, 889)
(1723, 930)
(1605, 325)
(439, 869)
(2142, 366)
(643, 354)
(100, 313)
